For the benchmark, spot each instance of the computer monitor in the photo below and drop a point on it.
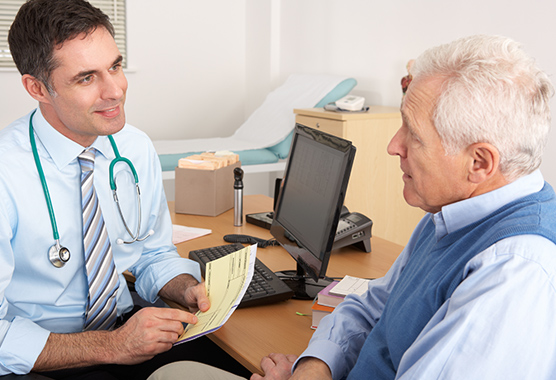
(309, 204)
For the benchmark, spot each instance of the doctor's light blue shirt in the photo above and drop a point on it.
(37, 298)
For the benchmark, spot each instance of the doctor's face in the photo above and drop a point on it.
(431, 178)
(89, 88)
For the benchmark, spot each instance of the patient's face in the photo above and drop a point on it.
(431, 178)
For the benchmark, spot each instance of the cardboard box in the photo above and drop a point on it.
(205, 192)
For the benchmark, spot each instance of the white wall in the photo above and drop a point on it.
(373, 40)
(186, 73)
(187, 76)
(199, 68)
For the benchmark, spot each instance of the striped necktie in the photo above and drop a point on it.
(101, 271)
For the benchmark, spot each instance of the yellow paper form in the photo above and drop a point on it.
(226, 280)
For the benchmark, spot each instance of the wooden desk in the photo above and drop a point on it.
(254, 332)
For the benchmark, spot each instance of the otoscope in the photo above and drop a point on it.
(238, 197)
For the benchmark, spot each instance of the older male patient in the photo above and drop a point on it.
(472, 295)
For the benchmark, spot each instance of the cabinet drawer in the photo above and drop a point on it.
(334, 127)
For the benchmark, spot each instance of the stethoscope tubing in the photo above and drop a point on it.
(43, 179)
(55, 257)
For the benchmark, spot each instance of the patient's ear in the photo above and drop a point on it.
(35, 88)
(484, 162)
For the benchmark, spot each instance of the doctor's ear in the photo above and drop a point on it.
(36, 88)
(485, 162)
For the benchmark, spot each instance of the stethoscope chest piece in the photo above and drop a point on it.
(58, 255)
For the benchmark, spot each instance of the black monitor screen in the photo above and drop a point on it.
(311, 197)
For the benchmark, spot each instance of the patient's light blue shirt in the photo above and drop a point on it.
(37, 298)
(498, 324)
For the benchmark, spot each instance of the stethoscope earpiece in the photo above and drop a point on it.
(122, 241)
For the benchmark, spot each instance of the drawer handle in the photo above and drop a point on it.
(318, 125)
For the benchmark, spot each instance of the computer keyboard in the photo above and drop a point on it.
(265, 287)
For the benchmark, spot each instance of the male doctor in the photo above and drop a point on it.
(62, 310)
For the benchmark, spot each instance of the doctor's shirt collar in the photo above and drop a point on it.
(61, 149)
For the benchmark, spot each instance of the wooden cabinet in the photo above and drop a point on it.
(376, 186)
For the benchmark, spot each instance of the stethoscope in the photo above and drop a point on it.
(58, 254)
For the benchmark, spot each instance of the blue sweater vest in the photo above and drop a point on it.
(433, 272)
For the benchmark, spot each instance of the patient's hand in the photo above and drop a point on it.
(279, 366)
(276, 367)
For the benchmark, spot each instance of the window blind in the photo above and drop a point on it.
(114, 9)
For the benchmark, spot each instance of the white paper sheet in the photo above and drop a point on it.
(350, 285)
(184, 233)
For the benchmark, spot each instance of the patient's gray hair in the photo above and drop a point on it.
(493, 92)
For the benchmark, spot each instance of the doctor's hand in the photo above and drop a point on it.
(147, 333)
(187, 291)
(196, 298)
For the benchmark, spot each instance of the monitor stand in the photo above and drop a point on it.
(303, 286)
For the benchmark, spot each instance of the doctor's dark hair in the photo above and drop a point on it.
(41, 26)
